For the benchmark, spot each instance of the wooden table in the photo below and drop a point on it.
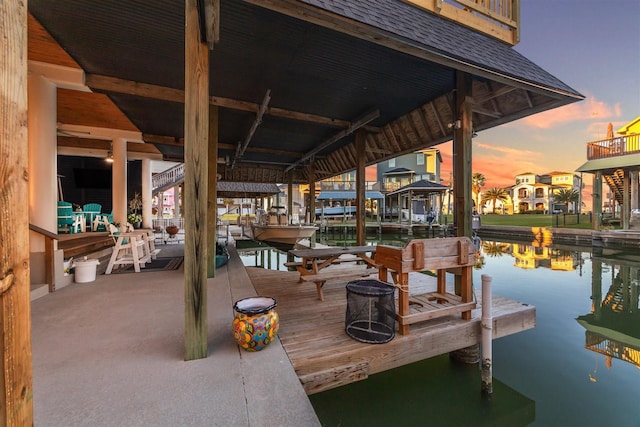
(315, 261)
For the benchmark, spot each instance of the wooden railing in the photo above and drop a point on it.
(49, 263)
(497, 18)
(613, 147)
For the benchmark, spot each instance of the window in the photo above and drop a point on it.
(420, 159)
(392, 163)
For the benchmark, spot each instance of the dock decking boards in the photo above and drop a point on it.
(324, 356)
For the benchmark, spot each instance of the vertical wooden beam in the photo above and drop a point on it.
(597, 201)
(290, 195)
(626, 200)
(16, 388)
(463, 129)
(212, 205)
(361, 139)
(196, 135)
(312, 193)
(49, 263)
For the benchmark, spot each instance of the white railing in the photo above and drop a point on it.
(168, 177)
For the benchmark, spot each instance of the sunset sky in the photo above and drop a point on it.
(592, 46)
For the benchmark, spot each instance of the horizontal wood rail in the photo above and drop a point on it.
(613, 147)
(49, 267)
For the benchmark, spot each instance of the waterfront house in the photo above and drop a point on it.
(533, 192)
(615, 160)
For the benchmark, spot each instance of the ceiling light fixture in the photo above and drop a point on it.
(109, 158)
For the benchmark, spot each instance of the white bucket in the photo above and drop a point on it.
(85, 270)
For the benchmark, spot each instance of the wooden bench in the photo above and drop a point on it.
(452, 254)
(339, 273)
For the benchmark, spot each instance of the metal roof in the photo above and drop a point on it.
(246, 189)
(325, 64)
(422, 186)
(610, 164)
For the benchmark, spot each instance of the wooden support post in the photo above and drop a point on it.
(487, 337)
(290, 196)
(16, 389)
(311, 209)
(196, 137)
(49, 263)
(410, 210)
(597, 201)
(418, 256)
(463, 129)
(626, 200)
(212, 205)
(360, 188)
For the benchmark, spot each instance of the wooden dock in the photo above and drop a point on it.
(313, 334)
(349, 228)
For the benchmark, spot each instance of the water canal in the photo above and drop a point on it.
(580, 365)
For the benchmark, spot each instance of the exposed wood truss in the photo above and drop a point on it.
(425, 126)
(355, 126)
(162, 93)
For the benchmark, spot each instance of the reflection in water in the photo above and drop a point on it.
(530, 256)
(562, 372)
(613, 326)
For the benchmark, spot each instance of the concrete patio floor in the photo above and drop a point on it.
(111, 353)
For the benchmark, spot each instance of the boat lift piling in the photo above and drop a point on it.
(487, 337)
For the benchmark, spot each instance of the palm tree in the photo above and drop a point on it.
(478, 181)
(494, 194)
(566, 196)
(495, 249)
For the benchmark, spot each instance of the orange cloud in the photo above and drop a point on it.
(506, 150)
(588, 109)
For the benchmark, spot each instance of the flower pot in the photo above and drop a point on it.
(172, 230)
(256, 322)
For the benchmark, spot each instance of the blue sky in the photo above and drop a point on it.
(592, 46)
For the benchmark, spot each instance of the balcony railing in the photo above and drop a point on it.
(496, 18)
(613, 147)
(167, 178)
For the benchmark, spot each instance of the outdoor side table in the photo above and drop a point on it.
(371, 313)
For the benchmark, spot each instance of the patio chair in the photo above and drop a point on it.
(91, 210)
(68, 220)
(101, 222)
(130, 249)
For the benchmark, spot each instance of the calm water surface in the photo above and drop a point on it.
(580, 365)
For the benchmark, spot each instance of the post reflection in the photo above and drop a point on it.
(613, 326)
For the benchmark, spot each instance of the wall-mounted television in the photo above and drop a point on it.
(92, 178)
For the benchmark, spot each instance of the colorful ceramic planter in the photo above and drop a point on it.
(256, 322)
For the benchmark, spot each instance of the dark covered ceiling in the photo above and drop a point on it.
(321, 65)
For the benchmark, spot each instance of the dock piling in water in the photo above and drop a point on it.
(487, 337)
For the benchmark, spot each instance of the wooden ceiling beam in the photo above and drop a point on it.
(420, 112)
(169, 140)
(128, 87)
(242, 146)
(438, 118)
(337, 137)
(485, 111)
